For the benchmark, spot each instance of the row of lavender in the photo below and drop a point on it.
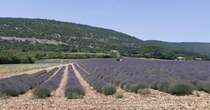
(51, 84)
(19, 84)
(42, 84)
(74, 89)
(99, 84)
(168, 76)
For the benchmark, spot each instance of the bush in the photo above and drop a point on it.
(181, 89)
(108, 90)
(9, 92)
(154, 85)
(135, 87)
(13, 57)
(198, 85)
(2, 94)
(204, 87)
(74, 93)
(115, 53)
(41, 93)
(163, 86)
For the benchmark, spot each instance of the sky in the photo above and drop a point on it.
(166, 20)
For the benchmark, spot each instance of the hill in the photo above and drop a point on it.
(83, 37)
(23, 40)
(195, 47)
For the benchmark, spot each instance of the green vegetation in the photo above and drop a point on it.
(140, 88)
(202, 86)
(77, 39)
(109, 90)
(164, 52)
(175, 88)
(2, 94)
(15, 57)
(41, 93)
(163, 86)
(181, 89)
(202, 48)
(9, 92)
(75, 93)
(115, 54)
(134, 87)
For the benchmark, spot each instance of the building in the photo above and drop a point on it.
(198, 59)
(180, 58)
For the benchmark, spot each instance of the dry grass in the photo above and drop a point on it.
(16, 68)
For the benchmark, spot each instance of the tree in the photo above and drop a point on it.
(115, 54)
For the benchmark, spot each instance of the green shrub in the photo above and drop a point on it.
(201, 86)
(204, 87)
(108, 90)
(41, 93)
(74, 93)
(198, 85)
(181, 89)
(135, 87)
(163, 86)
(115, 54)
(2, 94)
(154, 85)
(10, 92)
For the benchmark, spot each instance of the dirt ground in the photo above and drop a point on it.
(95, 101)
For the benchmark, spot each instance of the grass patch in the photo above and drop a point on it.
(75, 93)
(16, 68)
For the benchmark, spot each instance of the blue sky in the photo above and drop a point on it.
(167, 20)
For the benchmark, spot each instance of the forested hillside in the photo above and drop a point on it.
(25, 40)
(195, 47)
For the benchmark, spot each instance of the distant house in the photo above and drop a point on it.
(198, 59)
(180, 58)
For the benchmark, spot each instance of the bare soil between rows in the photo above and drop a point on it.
(155, 101)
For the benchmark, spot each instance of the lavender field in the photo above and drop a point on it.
(106, 75)
(157, 74)
(108, 83)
